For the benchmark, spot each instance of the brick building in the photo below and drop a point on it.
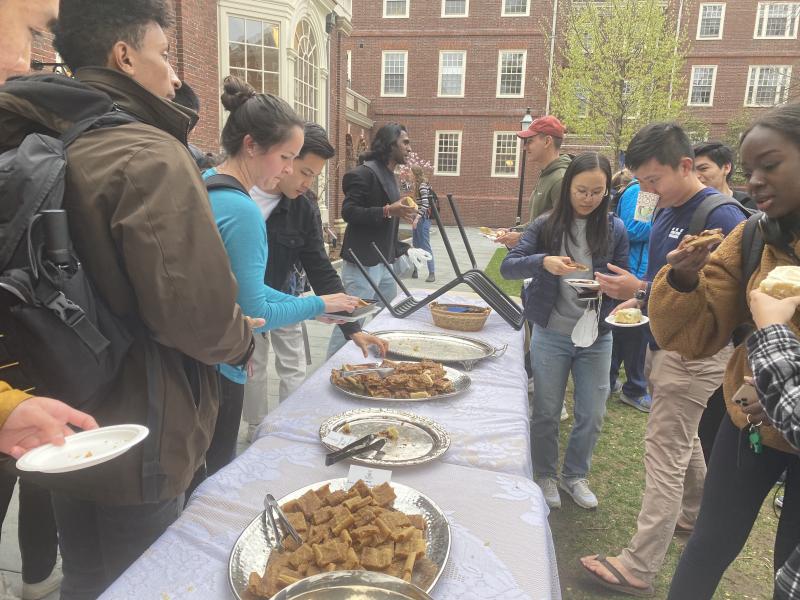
(460, 74)
(744, 56)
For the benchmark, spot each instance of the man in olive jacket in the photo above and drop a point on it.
(542, 141)
(141, 223)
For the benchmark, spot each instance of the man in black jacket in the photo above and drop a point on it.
(372, 210)
(296, 246)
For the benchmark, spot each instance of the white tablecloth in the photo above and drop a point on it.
(501, 544)
(488, 424)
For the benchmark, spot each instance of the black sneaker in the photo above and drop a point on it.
(430, 278)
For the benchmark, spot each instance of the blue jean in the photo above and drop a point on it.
(422, 240)
(630, 349)
(356, 284)
(553, 357)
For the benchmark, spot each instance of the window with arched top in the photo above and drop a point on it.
(306, 72)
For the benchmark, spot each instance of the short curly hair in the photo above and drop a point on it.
(87, 30)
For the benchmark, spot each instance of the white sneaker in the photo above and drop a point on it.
(251, 432)
(36, 591)
(564, 413)
(530, 385)
(549, 488)
(580, 492)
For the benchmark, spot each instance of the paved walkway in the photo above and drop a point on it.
(319, 335)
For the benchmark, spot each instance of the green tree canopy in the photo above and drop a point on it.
(620, 67)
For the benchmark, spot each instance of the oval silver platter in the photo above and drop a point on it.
(461, 382)
(252, 549)
(352, 585)
(420, 440)
(441, 347)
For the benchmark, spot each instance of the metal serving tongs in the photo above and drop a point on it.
(273, 509)
(360, 446)
(382, 371)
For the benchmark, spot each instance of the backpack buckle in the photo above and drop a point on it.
(66, 310)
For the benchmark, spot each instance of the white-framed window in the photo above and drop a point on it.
(393, 72)
(767, 85)
(777, 20)
(455, 8)
(254, 52)
(452, 69)
(396, 9)
(448, 153)
(306, 72)
(701, 88)
(505, 154)
(711, 21)
(516, 8)
(511, 73)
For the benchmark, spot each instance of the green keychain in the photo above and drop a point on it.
(755, 439)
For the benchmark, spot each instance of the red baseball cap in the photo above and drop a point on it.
(547, 125)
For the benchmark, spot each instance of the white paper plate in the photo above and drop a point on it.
(84, 449)
(583, 284)
(610, 320)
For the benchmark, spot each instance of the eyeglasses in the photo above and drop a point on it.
(583, 194)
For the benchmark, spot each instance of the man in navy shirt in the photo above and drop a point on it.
(660, 156)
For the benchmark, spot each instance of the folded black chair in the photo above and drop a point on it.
(476, 279)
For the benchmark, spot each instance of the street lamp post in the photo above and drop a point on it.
(525, 123)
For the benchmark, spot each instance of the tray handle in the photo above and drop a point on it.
(498, 352)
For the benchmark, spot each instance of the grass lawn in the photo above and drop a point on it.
(617, 477)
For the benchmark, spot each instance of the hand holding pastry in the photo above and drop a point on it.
(559, 265)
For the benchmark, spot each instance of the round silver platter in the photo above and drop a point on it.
(420, 440)
(461, 382)
(252, 549)
(352, 585)
(441, 347)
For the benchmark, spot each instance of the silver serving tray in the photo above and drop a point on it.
(251, 551)
(420, 439)
(441, 347)
(461, 382)
(352, 585)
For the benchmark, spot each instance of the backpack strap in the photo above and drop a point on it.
(709, 205)
(221, 182)
(752, 248)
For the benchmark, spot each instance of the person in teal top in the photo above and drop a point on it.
(261, 138)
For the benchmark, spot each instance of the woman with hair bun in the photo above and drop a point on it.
(261, 138)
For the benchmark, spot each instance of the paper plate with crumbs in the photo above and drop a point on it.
(343, 528)
(410, 439)
(83, 450)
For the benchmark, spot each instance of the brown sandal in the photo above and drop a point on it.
(622, 586)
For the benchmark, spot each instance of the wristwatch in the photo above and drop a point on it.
(641, 294)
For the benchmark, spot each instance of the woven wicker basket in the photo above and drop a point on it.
(472, 320)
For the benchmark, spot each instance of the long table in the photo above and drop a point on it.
(501, 543)
(488, 425)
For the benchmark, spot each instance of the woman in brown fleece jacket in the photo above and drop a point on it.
(707, 294)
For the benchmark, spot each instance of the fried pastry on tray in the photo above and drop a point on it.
(409, 380)
(375, 537)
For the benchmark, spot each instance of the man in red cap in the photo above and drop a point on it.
(542, 141)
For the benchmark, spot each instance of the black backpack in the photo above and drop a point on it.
(68, 343)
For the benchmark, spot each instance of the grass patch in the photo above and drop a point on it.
(511, 287)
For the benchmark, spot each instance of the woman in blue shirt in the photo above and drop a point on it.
(573, 241)
(261, 138)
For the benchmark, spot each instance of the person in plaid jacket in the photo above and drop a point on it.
(774, 355)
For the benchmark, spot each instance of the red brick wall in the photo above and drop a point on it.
(196, 60)
(733, 54)
(482, 199)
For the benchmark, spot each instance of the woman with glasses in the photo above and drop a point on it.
(573, 241)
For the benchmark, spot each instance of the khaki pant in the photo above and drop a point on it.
(674, 464)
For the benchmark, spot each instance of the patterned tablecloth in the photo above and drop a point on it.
(488, 424)
(501, 544)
